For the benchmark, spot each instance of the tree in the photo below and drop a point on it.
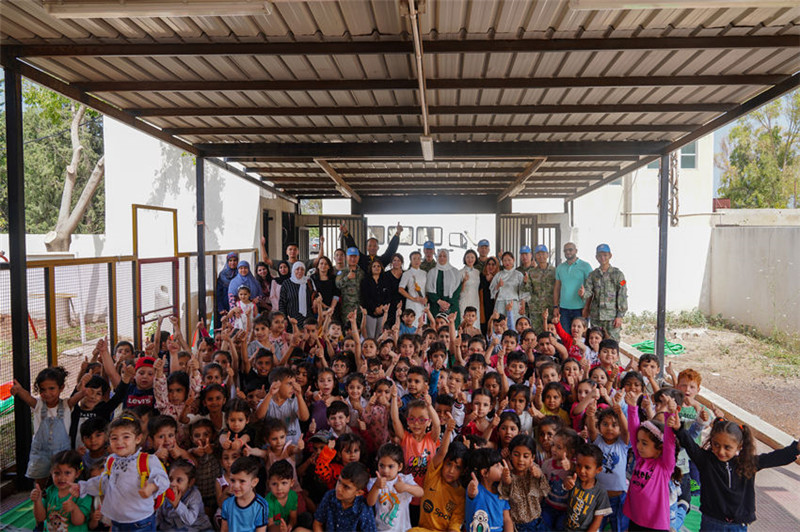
(63, 144)
(760, 157)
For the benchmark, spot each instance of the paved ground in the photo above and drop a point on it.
(777, 497)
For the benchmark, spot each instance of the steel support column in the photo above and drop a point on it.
(663, 228)
(200, 186)
(19, 280)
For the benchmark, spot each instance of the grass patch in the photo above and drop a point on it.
(646, 321)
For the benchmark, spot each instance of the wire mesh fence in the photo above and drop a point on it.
(6, 373)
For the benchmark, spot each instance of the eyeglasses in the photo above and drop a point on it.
(401, 370)
(418, 419)
(374, 371)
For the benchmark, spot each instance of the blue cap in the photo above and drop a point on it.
(352, 251)
(428, 245)
(483, 242)
(603, 248)
(541, 247)
(524, 249)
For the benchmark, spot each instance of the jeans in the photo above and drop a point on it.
(552, 518)
(617, 519)
(709, 524)
(533, 526)
(148, 524)
(567, 315)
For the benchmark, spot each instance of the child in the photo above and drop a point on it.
(278, 448)
(525, 486)
(203, 453)
(183, 504)
(519, 401)
(344, 509)
(244, 509)
(323, 397)
(222, 488)
(56, 506)
(51, 420)
(244, 311)
(282, 499)
(418, 444)
(172, 392)
(130, 484)
(727, 464)
(376, 414)
(647, 502)
(95, 441)
(485, 510)
(552, 399)
(346, 449)
(354, 386)
(237, 434)
(545, 432)
(481, 408)
(338, 415)
(588, 501)
(556, 469)
(468, 322)
(391, 491)
(163, 432)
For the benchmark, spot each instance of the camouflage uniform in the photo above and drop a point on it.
(427, 265)
(540, 283)
(350, 290)
(609, 293)
(479, 264)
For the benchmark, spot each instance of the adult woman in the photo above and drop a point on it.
(224, 280)
(325, 283)
(394, 275)
(490, 269)
(412, 285)
(277, 282)
(264, 278)
(295, 299)
(375, 298)
(443, 286)
(509, 291)
(245, 278)
(470, 282)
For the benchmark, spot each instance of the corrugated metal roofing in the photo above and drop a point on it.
(489, 77)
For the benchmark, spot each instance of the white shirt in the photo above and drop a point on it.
(51, 412)
(391, 510)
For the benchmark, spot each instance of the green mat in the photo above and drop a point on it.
(20, 517)
(670, 348)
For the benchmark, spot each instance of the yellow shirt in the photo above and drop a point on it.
(561, 413)
(442, 507)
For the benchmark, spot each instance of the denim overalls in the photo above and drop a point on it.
(50, 438)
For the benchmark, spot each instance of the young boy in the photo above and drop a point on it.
(282, 499)
(163, 432)
(344, 509)
(245, 509)
(95, 441)
(468, 322)
(416, 385)
(408, 322)
(261, 334)
(258, 375)
(95, 389)
(338, 415)
(285, 401)
(588, 501)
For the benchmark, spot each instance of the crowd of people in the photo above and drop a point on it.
(352, 394)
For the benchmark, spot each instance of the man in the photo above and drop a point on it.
(541, 280)
(430, 261)
(606, 294)
(570, 276)
(525, 263)
(372, 248)
(349, 284)
(483, 255)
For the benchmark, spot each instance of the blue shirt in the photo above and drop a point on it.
(358, 518)
(572, 276)
(615, 461)
(252, 516)
(485, 511)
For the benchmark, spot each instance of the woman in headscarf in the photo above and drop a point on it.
(296, 294)
(490, 269)
(508, 289)
(277, 282)
(224, 280)
(470, 282)
(245, 278)
(264, 278)
(443, 286)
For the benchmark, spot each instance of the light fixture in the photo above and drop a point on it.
(585, 5)
(76, 9)
(426, 141)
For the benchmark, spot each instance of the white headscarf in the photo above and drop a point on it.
(303, 282)
(451, 276)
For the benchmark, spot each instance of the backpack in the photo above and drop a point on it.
(143, 467)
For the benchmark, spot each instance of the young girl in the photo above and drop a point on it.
(545, 432)
(376, 414)
(51, 420)
(552, 401)
(338, 453)
(391, 491)
(222, 487)
(507, 429)
(237, 434)
(173, 391)
(130, 484)
(728, 464)
(183, 505)
(485, 510)
(556, 469)
(492, 383)
(519, 400)
(212, 407)
(56, 506)
(525, 486)
(322, 398)
(400, 375)
(647, 503)
(481, 406)
(244, 311)
(594, 335)
(354, 386)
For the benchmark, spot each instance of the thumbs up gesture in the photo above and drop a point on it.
(472, 487)
(506, 473)
(581, 291)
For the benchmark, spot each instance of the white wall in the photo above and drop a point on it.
(82, 245)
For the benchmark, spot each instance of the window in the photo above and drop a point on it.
(458, 240)
(689, 156)
(434, 234)
(406, 237)
(654, 165)
(377, 232)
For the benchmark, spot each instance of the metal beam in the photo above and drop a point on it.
(432, 84)
(200, 207)
(20, 347)
(308, 173)
(235, 171)
(519, 183)
(663, 231)
(372, 47)
(341, 184)
(465, 158)
(328, 151)
(434, 110)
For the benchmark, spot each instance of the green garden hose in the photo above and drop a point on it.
(648, 346)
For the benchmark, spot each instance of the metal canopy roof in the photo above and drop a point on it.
(528, 98)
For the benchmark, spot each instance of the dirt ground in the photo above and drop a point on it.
(733, 366)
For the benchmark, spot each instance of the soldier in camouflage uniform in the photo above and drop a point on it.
(483, 255)
(525, 263)
(349, 284)
(429, 262)
(605, 294)
(541, 279)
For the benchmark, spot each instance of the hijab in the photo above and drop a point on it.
(282, 277)
(451, 276)
(245, 280)
(303, 283)
(227, 273)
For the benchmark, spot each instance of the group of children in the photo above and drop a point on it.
(437, 428)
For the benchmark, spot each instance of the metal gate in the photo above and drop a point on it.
(515, 231)
(329, 228)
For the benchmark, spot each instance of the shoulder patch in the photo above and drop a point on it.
(622, 282)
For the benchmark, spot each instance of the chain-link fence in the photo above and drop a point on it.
(6, 373)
